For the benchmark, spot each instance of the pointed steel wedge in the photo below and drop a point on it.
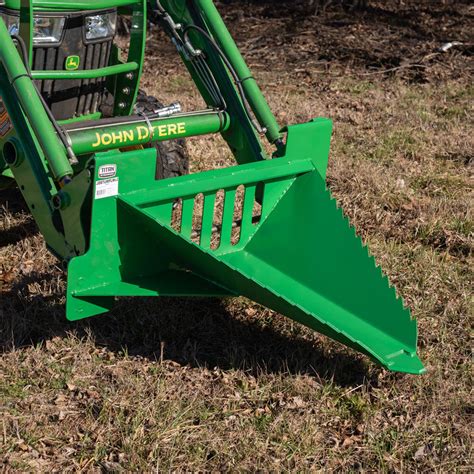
(300, 258)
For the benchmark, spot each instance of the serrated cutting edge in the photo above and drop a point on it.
(369, 317)
(364, 245)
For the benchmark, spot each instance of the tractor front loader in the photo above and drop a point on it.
(103, 170)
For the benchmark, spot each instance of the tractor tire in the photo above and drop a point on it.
(172, 155)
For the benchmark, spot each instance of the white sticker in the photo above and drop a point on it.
(106, 188)
(107, 171)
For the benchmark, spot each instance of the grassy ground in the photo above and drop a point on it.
(214, 385)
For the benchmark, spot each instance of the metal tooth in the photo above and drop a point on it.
(365, 246)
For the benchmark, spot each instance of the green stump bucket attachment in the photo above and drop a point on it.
(84, 147)
(298, 256)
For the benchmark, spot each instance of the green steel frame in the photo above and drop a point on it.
(111, 222)
(68, 5)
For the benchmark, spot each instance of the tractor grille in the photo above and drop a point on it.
(73, 98)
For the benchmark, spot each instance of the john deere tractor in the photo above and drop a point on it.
(104, 172)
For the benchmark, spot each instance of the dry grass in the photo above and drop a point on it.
(218, 385)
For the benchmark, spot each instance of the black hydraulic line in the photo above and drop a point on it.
(229, 66)
(198, 66)
(199, 62)
(161, 12)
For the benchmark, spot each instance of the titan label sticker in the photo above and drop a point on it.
(107, 171)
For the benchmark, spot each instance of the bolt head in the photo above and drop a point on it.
(57, 201)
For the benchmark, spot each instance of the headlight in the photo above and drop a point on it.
(100, 26)
(12, 23)
(46, 29)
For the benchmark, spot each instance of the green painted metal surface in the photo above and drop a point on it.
(34, 179)
(254, 95)
(241, 136)
(107, 137)
(86, 73)
(26, 27)
(126, 83)
(70, 5)
(17, 80)
(301, 259)
(267, 229)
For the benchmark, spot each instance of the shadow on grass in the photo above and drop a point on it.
(16, 207)
(13, 199)
(190, 331)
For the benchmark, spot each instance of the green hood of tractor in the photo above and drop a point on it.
(70, 5)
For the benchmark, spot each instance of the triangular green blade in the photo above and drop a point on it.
(305, 261)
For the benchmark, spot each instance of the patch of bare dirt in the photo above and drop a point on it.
(420, 41)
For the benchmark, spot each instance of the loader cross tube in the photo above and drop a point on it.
(137, 132)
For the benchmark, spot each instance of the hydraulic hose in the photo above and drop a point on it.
(218, 30)
(251, 96)
(229, 66)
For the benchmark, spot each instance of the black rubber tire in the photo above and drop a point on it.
(173, 157)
